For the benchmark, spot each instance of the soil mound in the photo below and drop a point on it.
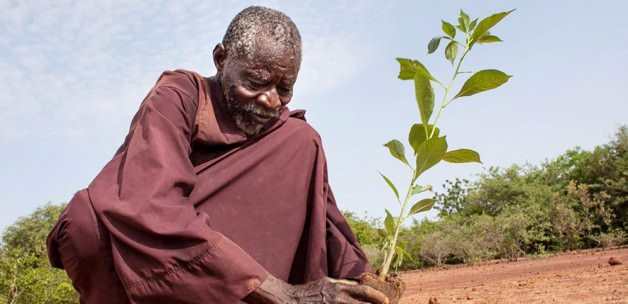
(614, 262)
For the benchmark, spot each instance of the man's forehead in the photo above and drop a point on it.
(267, 56)
(268, 71)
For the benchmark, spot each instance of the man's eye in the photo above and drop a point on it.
(284, 91)
(256, 84)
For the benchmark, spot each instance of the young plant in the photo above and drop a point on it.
(426, 139)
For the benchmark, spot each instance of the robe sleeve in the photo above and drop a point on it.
(164, 251)
(345, 258)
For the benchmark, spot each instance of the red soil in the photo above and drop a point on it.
(575, 277)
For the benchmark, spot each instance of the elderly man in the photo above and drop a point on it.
(219, 194)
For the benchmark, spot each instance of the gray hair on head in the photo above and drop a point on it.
(257, 22)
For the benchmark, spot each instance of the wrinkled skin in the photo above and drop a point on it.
(329, 290)
(323, 291)
(256, 88)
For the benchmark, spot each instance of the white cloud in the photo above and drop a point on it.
(74, 68)
(328, 62)
(90, 63)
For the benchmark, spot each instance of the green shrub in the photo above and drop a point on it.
(25, 274)
(612, 238)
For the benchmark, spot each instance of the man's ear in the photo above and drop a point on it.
(220, 55)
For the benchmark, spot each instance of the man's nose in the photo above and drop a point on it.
(269, 99)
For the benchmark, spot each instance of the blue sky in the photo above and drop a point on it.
(73, 73)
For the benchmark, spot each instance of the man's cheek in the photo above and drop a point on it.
(243, 94)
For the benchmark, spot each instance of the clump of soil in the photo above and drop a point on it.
(393, 287)
(432, 301)
(613, 261)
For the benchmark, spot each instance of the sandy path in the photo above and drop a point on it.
(578, 277)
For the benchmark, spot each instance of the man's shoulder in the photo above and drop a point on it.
(301, 128)
(184, 81)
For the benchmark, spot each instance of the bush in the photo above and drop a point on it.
(470, 239)
(365, 228)
(25, 275)
(612, 238)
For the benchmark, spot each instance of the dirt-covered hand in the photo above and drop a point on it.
(323, 291)
(331, 291)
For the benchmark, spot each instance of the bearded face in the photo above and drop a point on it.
(258, 86)
(248, 115)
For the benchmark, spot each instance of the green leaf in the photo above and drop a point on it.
(417, 135)
(403, 252)
(408, 68)
(465, 18)
(400, 255)
(422, 206)
(397, 150)
(424, 97)
(483, 81)
(382, 233)
(451, 51)
(489, 39)
(486, 24)
(448, 29)
(391, 185)
(462, 156)
(473, 24)
(430, 153)
(463, 21)
(433, 45)
(400, 252)
(389, 223)
(416, 189)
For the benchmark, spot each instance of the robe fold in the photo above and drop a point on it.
(190, 210)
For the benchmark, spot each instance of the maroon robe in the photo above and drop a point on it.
(191, 211)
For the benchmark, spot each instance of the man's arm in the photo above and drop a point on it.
(345, 257)
(164, 251)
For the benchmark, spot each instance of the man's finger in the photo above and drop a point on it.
(367, 293)
(346, 282)
(346, 299)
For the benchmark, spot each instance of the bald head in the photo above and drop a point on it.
(255, 26)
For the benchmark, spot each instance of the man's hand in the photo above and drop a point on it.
(333, 291)
(323, 291)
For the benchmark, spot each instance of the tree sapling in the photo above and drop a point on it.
(427, 141)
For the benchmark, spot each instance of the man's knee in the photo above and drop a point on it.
(77, 238)
(79, 245)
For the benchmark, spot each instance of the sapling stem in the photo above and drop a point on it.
(445, 101)
(393, 245)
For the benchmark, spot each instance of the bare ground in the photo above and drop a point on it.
(575, 277)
